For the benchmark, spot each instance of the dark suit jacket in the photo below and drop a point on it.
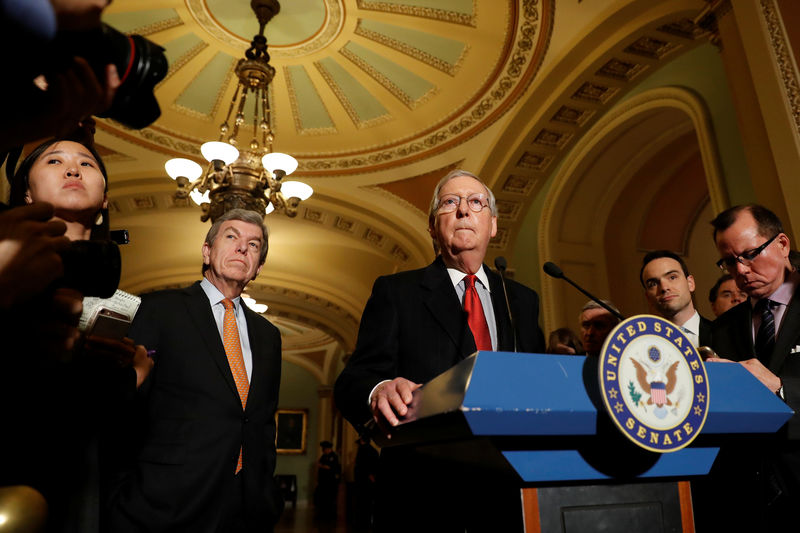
(733, 339)
(764, 474)
(413, 326)
(705, 336)
(194, 424)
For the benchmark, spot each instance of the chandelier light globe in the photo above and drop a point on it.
(270, 208)
(183, 167)
(296, 189)
(277, 161)
(199, 198)
(217, 150)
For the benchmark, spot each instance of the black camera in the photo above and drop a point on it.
(91, 267)
(141, 64)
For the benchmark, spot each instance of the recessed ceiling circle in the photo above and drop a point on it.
(302, 26)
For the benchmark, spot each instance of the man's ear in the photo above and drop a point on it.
(28, 199)
(494, 226)
(690, 280)
(206, 254)
(258, 270)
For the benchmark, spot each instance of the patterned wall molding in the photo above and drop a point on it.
(783, 57)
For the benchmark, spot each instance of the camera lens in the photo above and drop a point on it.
(141, 65)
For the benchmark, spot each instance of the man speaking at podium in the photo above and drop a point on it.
(416, 325)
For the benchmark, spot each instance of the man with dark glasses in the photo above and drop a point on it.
(763, 334)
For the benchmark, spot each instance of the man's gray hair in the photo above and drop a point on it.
(591, 304)
(245, 215)
(455, 174)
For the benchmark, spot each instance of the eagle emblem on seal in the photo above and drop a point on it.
(656, 377)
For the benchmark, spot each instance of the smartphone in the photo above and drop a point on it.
(110, 324)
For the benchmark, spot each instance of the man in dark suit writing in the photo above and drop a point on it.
(763, 334)
(208, 452)
(416, 325)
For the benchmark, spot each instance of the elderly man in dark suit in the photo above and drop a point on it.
(669, 287)
(208, 453)
(763, 334)
(416, 325)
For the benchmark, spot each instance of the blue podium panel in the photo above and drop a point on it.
(528, 394)
(739, 403)
(542, 466)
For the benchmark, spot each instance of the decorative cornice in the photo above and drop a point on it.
(519, 71)
(411, 51)
(783, 57)
(386, 82)
(298, 126)
(419, 11)
(346, 104)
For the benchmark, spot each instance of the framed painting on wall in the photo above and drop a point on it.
(292, 430)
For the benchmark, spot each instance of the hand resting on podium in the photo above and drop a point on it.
(390, 400)
(757, 368)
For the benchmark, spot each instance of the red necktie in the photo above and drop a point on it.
(475, 317)
(233, 349)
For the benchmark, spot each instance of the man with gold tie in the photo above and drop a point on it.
(416, 325)
(207, 457)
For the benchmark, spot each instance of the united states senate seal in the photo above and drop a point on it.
(653, 383)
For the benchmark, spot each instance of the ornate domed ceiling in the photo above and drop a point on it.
(360, 85)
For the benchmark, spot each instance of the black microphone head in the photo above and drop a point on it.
(500, 263)
(552, 269)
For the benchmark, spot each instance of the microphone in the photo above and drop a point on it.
(553, 270)
(500, 264)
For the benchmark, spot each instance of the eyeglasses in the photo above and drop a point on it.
(450, 202)
(745, 258)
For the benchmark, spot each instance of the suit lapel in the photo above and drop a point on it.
(788, 334)
(199, 310)
(505, 333)
(704, 335)
(744, 335)
(258, 345)
(441, 300)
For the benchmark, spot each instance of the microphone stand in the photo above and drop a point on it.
(500, 264)
(552, 270)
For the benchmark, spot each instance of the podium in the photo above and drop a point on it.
(540, 418)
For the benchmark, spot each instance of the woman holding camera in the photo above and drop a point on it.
(70, 431)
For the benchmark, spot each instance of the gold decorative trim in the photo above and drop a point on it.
(223, 87)
(520, 69)
(390, 86)
(416, 53)
(179, 63)
(346, 104)
(783, 57)
(424, 12)
(651, 47)
(157, 26)
(329, 30)
(516, 184)
(621, 70)
(298, 126)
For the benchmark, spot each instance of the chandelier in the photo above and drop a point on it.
(250, 178)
